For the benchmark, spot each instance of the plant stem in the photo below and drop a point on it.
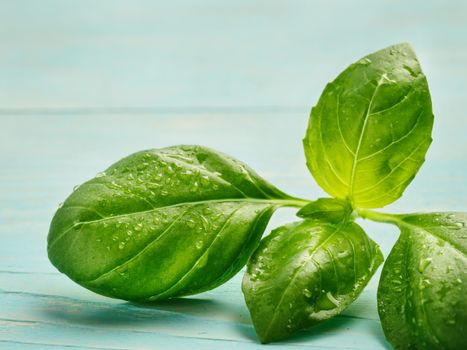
(377, 216)
(295, 202)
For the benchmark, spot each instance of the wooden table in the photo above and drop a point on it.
(85, 83)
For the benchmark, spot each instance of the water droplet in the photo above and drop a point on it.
(114, 185)
(130, 176)
(105, 224)
(142, 166)
(207, 211)
(101, 174)
(343, 253)
(410, 70)
(307, 293)
(194, 187)
(425, 283)
(75, 188)
(121, 245)
(129, 232)
(115, 238)
(138, 227)
(164, 193)
(60, 205)
(199, 244)
(98, 240)
(327, 301)
(423, 264)
(204, 180)
(365, 61)
(459, 224)
(191, 223)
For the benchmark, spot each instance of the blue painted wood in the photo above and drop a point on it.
(182, 53)
(83, 84)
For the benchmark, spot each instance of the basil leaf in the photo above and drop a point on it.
(162, 223)
(422, 294)
(368, 134)
(306, 272)
(332, 209)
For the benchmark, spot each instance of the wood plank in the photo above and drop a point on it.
(45, 155)
(57, 54)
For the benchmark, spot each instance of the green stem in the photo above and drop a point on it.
(377, 216)
(295, 202)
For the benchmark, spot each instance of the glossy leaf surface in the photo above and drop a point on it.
(422, 295)
(162, 223)
(368, 134)
(306, 272)
(332, 209)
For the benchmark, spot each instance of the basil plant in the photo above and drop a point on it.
(182, 220)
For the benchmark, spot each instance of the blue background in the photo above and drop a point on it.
(84, 83)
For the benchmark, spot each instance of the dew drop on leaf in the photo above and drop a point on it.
(194, 187)
(424, 263)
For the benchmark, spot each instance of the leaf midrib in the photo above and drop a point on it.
(360, 140)
(277, 202)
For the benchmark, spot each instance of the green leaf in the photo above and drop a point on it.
(163, 223)
(306, 272)
(422, 294)
(368, 134)
(332, 209)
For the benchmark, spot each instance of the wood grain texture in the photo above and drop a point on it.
(84, 84)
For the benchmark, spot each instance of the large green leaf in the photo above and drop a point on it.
(162, 223)
(368, 134)
(422, 294)
(306, 272)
